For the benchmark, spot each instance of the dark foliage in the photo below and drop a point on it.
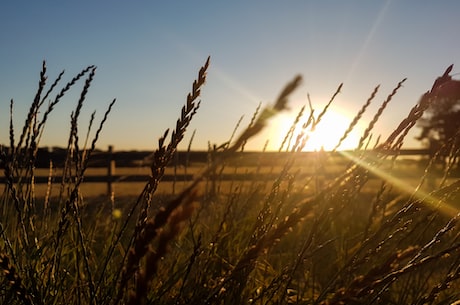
(441, 122)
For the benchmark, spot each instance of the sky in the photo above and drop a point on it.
(148, 53)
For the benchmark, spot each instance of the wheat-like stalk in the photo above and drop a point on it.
(323, 112)
(357, 117)
(265, 115)
(161, 158)
(146, 275)
(379, 113)
(287, 138)
(59, 96)
(33, 110)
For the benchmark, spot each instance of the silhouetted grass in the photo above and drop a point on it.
(363, 236)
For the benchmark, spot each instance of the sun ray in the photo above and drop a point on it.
(367, 41)
(433, 199)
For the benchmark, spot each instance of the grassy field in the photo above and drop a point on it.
(370, 229)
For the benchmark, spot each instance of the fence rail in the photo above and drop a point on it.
(111, 159)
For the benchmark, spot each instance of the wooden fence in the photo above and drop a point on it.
(112, 159)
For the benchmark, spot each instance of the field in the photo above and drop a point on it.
(362, 227)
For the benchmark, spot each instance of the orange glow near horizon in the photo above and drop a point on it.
(326, 134)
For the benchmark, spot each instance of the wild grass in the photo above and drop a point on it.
(365, 236)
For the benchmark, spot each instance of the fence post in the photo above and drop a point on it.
(110, 171)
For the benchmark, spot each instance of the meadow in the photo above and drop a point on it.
(370, 229)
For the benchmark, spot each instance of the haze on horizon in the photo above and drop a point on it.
(148, 55)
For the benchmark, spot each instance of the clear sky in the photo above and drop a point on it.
(149, 52)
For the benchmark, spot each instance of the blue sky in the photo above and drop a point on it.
(149, 52)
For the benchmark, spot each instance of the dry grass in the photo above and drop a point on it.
(361, 235)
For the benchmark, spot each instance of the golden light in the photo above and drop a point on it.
(326, 134)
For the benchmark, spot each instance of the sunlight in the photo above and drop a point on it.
(329, 131)
(435, 199)
(326, 134)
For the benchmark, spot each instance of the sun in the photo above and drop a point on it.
(329, 131)
(326, 134)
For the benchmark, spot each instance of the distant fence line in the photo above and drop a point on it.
(100, 158)
(111, 159)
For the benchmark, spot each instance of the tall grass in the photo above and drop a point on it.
(363, 236)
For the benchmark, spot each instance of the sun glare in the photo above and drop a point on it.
(327, 133)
